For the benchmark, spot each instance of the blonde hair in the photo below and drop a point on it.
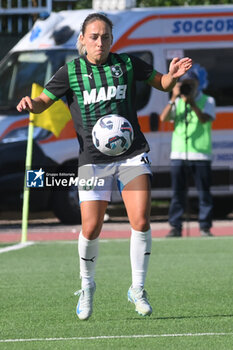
(80, 47)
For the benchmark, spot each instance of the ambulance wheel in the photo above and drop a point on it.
(66, 206)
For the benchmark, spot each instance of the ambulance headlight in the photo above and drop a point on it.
(21, 134)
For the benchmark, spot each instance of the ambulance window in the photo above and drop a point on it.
(143, 89)
(20, 69)
(218, 64)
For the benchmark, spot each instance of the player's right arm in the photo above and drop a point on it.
(36, 105)
(57, 86)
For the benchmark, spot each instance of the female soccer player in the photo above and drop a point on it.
(80, 81)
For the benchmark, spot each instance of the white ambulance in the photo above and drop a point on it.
(204, 33)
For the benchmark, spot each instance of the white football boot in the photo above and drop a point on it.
(138, 297)
(85, 303)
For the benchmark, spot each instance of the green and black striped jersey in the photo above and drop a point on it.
(93, 91)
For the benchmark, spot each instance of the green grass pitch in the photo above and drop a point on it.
(189, 283)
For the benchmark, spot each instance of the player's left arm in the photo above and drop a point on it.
(177, 68)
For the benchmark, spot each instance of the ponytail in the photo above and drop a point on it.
(80, 47)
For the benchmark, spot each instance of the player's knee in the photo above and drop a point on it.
(91, 230)
(141, 224)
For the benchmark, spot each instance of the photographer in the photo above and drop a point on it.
(192, 113)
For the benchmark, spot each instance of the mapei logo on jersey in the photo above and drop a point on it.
(116, 71)
(104, 94)
(35, 178)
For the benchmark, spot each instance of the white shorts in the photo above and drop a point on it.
(96, 181)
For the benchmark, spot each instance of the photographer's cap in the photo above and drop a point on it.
(189, 75)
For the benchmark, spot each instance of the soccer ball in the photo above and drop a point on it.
(112, 135)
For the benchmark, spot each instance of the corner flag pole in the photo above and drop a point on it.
(26, 191)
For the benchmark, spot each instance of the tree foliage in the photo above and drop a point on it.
(83, 4)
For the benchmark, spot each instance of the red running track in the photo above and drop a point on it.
(114, 234)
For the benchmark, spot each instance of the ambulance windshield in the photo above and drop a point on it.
(20, 69)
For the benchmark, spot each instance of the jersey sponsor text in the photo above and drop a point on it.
(104, 94)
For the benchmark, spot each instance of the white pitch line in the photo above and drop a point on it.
(117, 337)
(16, 247)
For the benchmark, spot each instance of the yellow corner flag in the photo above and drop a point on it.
(54, 118)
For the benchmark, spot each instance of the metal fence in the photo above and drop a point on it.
(17, 16)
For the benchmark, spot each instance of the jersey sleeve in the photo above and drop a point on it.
(143, 71)
(58, 85)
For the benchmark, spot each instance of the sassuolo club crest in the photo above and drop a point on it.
(116, 71)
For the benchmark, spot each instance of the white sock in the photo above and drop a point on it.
(88, 254)
(140, 250)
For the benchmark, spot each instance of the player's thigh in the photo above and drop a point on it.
(92, 215)
(137, 199)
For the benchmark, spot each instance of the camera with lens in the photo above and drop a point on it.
(186, 89)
